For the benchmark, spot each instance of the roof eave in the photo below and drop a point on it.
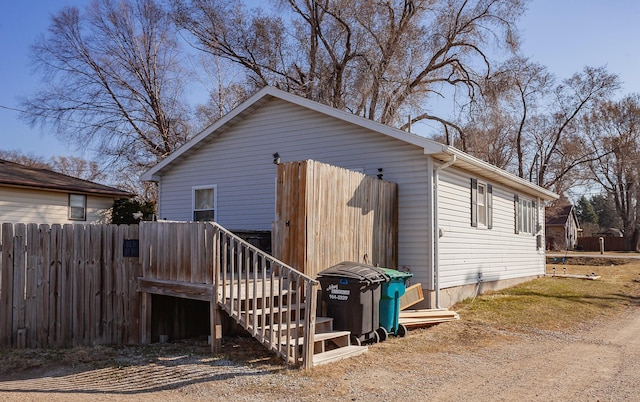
(261, 97)
(492, 172)
(71, 189)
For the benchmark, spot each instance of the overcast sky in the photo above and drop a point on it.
(564, 35)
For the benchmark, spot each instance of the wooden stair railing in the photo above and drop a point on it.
(274, 302)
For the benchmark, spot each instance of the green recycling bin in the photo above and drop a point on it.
(390, 295)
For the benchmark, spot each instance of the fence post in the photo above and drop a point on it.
(310, 325)
(214, 308)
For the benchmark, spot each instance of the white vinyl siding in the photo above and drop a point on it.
(239, 159)
(240, 162)
(467, 253)
(19, 205)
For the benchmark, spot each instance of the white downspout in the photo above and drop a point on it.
(436, 228)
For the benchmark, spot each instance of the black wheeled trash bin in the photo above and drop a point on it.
(351, 296)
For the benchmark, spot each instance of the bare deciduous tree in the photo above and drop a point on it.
(70, 165)
(523, 106)
(78, 167)
(558, 137)
(380, 60)
(114, 82)
(497, 121)
(24, 159)
(614, 134)
(225, 92)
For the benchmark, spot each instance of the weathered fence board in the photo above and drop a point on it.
(67, 285)
(19, 246)
(6, 283)
(326, 214)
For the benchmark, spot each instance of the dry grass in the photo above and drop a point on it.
(558, 303)
(544, 304)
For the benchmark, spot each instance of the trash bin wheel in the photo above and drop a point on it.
(382, 334)
(402, 330)
(355, 340)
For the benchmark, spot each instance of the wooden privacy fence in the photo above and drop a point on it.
(75, 285)
(67, 285)
(592, 243)
(326, 215)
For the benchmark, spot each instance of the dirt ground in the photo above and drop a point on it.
(462, 361)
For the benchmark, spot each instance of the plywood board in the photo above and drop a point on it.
(413, 295)
(416, 318)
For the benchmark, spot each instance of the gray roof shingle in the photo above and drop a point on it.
(17, 175)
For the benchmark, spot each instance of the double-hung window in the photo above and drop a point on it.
(525, 215)
(77, 207)
(481, 204)
(204, 203)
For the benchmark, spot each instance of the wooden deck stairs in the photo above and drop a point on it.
(272, 301)
(277, 319)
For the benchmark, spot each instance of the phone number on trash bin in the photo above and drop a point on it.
(338, 294)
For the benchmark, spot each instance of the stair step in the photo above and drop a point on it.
(339, 339)
(325, 336)
(294, 324)
(276, 310)
(338, 354)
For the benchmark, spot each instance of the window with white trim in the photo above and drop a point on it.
(525, 215)
(481, 204)
(77, 207)
(204, 203)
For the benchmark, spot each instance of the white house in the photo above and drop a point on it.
(463, 224)
(34, 195)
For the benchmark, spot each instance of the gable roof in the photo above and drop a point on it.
(558, 215)
(441, 152)
(16, 175)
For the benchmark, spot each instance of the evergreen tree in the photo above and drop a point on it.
(586, 212)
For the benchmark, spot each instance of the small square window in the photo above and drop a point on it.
(204, 203)
(77, 207)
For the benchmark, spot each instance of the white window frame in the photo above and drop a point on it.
(213, 187)
(526, 216)
(74, 201)
(481, 204)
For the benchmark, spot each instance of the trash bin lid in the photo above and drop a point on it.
(354, 270)
(395, 274)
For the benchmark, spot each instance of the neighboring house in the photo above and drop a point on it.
(461, 221)
(35, 195)
(562, 227)
(611, 232)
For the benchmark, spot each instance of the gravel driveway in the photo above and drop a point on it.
(599, 362)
